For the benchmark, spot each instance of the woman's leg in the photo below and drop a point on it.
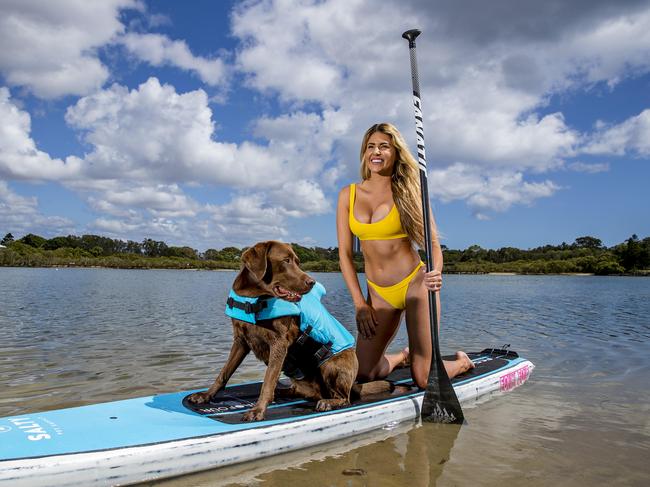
(419, 333)
(373, 362)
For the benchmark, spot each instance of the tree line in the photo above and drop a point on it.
(585, 255)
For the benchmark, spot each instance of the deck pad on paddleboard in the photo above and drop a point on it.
(230, 404)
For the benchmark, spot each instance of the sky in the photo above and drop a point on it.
(223, 123)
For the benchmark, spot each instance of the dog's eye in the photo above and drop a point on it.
(288, 260)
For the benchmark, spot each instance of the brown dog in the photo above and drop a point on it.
(271, 269)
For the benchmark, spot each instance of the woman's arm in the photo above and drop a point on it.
(436, 250)
(365, 315)
(433, 279)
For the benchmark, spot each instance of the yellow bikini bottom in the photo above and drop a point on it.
(395, 295)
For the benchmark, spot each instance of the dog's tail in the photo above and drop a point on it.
(359, 391)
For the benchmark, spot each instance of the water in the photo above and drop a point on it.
(77, 336)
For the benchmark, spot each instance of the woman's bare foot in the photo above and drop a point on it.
(406, 361)
(460, 365)
(394, 361)
(465, 361)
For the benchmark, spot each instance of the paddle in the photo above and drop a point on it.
(440, 404)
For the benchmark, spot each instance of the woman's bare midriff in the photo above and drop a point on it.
(387, 262)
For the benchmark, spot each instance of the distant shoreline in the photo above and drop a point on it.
(587, 256)
(645, 273)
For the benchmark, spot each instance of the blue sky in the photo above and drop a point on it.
(211, 124)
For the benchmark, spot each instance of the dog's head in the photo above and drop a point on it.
(272, 268)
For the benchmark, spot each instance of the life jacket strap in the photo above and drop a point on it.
(247, 306)
(324, 352)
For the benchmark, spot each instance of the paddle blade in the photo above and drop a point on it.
(440, 404)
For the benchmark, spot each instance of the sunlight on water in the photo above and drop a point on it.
(77, 336)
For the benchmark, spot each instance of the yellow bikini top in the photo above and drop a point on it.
(387, 228)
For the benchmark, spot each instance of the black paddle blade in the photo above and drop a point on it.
(440, 404)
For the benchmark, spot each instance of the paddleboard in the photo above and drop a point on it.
(155, 437)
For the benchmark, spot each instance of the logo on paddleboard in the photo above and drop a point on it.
(5, 429)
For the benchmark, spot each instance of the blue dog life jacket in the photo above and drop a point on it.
(316, 323)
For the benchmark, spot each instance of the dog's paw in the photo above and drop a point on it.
(254, 414)
(199, 398)
(329, 404)
(323, 405)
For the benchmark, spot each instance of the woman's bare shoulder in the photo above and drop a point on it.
(344, 194)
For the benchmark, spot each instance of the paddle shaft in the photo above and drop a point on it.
(440, 404)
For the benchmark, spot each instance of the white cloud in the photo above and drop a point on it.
(160, 50)
(20, 215)
(51, 47)
(19, 156)
(154, 134)
(118, 228)
(612, 49)
(281, 53)
(589, 168)
(483, 192)
(171, 231)
(246, 219)
(300, 198)
(630, 137)
(161, 201)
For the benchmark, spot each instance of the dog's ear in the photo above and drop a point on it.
(254, 259)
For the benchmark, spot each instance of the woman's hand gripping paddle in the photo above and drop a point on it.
(440, 404)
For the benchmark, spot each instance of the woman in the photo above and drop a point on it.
(385, 212)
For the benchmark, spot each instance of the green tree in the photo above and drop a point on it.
(32, 240)
(474, 253)
(589, 243)
(7, 239)
(183, 252)
(132, 247)
(211, 254)
(70, 241)
(304, 254)
(607, 265)
(96, 251)
(634, 254)
(154, 248)
(230, 254)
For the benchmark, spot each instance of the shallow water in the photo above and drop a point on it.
(77, 336)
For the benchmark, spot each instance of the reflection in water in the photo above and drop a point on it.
(407, 454)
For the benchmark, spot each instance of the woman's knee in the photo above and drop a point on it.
(420, 376)
(371, 371)
(420, 379)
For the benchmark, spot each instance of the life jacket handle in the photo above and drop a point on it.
(247, 306)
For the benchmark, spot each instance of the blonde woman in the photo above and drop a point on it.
(385, 212)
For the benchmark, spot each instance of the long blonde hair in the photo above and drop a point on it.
(405, 181)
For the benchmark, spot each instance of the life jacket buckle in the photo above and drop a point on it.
(304, 336)
(324, 351)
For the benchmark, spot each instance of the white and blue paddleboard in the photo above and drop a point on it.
(154, 437)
